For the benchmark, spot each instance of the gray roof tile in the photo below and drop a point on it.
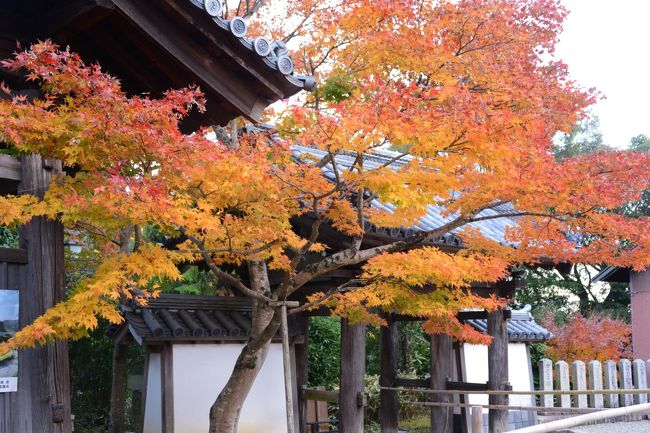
(491, 229)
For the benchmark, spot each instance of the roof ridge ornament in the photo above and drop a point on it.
(275, 54)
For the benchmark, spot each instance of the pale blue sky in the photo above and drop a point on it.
(8, 304)
(606, 44)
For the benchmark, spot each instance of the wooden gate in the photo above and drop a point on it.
(35, 269)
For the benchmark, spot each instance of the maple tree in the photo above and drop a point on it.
(586, 338)
(466, 87)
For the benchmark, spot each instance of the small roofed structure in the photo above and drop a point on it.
(191, 344)
(522, 332)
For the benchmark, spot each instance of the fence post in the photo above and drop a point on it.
(596, 383)
(611, 382)
(579, 374)
(640, 380)
(477, 419)
(562, 382)
(625, 370)
(546, 381)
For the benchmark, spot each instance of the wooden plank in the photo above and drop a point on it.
(9, 168)
(13, 255)
(498, 369)
(320, 395)
(209, 72)
(353, 367)
(441, 373)
(411, 383)
(467, 386)
(388, 401)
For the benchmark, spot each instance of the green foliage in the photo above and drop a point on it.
(8, 237)
(414, 349)
(335, 89)
(558, 294)
(324, 356)
(195, 282)
(584, 138)
(640, 143)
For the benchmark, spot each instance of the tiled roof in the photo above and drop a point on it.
(189, 318)
(491, 229)
(274, 54)
(522, 328)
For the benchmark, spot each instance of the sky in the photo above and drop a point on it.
(606, 44)
(8, 305)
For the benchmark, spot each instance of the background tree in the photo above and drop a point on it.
(597, 337)
(467, 85)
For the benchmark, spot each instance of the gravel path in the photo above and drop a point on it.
(616, 427)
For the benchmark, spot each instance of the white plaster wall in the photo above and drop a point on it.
(200, 373)
(476, 366)
(153, 412)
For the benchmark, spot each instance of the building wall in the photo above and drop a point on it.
(640, 292)
(519, 376)
(153, 405)
(200, 373)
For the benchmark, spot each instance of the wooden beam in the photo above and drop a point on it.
(353, 368)
(201, 21)
(70, 17)
(388, 401)
(13, 255)
(9, 168)
(498, 369)
(411, 383)
(209, 72)
(442, 418)
(320, 395)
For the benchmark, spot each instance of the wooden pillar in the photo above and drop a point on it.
(302, 369)
(353, 368)
(388, 402)
(498, 369)
(442, 418)
(43, 377)
(118, 384)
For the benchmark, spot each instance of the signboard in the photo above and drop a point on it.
(8, 327)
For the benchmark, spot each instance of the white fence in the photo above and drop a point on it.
(593, 385)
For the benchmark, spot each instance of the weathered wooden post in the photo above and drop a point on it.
(546, 381)
(596, 384)
(477, 419)
(353, 368)
(498, 369)
(44, 381)
(302, 368)
(442, 418)
(389, 408)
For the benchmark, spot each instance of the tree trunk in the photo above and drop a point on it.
(224, 413)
